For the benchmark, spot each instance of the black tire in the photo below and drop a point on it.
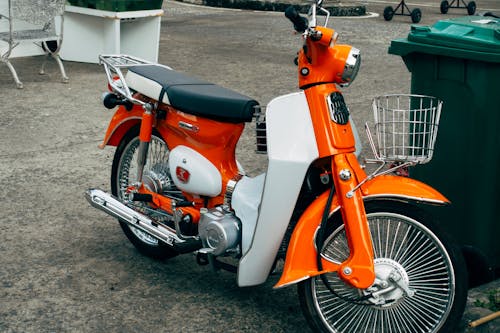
(416, 15)
(123, 174)
(445, 5)
(471, 8)
(407, 242)
(388, 13)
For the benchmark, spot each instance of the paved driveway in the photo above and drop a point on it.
(65, 267)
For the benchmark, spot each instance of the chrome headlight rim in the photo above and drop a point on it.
(351, 67)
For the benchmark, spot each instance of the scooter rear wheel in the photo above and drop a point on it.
(421, 283)
(124, 173)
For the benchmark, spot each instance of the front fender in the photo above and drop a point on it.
(300, 262)
(120, 124)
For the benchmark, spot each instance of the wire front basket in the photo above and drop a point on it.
(406, 127)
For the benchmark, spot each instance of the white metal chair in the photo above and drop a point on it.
(31, 26)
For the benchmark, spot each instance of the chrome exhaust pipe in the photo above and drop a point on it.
(110, 205)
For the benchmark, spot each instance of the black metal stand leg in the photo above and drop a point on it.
(415, 15)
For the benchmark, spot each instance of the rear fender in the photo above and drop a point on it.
(300, 262)
(120, 124)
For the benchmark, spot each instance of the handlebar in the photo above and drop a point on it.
(300, 23)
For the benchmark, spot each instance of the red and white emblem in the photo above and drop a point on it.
(182, 175)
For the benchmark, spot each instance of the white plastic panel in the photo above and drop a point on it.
(291, 148)
(245, 202)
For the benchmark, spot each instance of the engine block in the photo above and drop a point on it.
(220, 231)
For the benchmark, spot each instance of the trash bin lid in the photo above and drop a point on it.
(470, 37)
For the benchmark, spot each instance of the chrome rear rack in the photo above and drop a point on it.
(122, 60)
(116, 66)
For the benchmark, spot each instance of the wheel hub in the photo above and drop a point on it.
(157, 178)
(391, 283)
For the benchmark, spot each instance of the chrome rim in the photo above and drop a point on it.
(127, 173)
(414, 286)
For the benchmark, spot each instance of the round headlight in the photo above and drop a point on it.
(351, 67)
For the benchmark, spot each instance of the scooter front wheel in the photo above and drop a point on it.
(124, 174)
(420, 285)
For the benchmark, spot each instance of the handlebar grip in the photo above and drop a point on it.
(300, 23)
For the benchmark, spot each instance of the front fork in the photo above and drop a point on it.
(358, 269)
(145, 134)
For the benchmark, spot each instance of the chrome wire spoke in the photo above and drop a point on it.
(402, 247)
(127, 174)
(338, 251)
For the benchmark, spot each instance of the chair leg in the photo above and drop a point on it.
(56, 57)
(42, 69)
(65, 78)
(19, 84)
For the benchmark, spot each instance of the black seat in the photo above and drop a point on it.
(192, 95)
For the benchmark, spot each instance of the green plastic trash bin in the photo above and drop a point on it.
(458, 61)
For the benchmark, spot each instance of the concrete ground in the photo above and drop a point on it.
(65, 267)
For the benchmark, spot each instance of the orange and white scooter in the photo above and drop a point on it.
(362, 250)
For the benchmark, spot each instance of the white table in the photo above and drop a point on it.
(90, 32)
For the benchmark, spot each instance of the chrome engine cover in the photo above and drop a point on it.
(220, 231)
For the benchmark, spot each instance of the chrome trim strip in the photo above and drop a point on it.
(188, 126)
(293, 282)
(231, 184)
(406, 197)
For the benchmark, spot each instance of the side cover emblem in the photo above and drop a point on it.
(182, 175)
